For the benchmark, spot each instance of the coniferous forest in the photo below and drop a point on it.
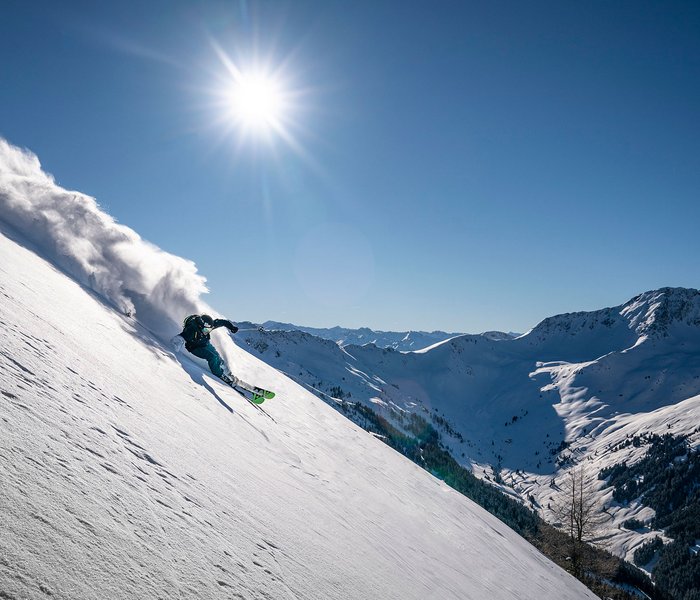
(667, 479)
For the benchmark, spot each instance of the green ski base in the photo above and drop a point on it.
(260, 395)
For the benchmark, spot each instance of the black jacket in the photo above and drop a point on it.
(196, 336)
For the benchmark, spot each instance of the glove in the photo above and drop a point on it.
(232, 328)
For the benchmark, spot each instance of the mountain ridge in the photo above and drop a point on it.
(398, 340)
(650, 312)
(536, 405)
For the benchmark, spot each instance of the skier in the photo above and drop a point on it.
(196, 338)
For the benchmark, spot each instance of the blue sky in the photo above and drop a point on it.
(456, 165)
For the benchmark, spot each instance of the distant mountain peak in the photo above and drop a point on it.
(653, 312)
(498, 336)
(649, 313)
(345, 336)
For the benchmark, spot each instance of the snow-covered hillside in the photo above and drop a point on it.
(127, 473)
(532, 407)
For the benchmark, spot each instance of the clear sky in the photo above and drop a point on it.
(456, 165)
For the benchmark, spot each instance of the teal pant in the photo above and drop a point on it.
(210, 354)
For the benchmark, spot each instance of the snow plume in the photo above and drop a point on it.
(71, 230)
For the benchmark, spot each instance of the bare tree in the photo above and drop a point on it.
(580, 514)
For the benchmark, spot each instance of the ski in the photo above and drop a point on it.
(253, 394)
(258, 394)
(242, 391)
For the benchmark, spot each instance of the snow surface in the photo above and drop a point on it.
(129, 473)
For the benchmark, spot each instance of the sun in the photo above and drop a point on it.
(253, 97)
(257, 101)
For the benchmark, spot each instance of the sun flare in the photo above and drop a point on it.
(256, 101)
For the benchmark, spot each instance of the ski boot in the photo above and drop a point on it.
(229, 379)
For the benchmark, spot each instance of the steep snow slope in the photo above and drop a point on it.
(127, 474)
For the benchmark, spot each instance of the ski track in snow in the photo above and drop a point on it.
(123, 476)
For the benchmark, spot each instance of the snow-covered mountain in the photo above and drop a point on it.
(533, 407)
(128, 472)
(404, 340)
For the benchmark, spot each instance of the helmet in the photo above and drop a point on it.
(207, 320)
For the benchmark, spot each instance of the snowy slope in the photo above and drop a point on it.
(129, 474)
(535, 406)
